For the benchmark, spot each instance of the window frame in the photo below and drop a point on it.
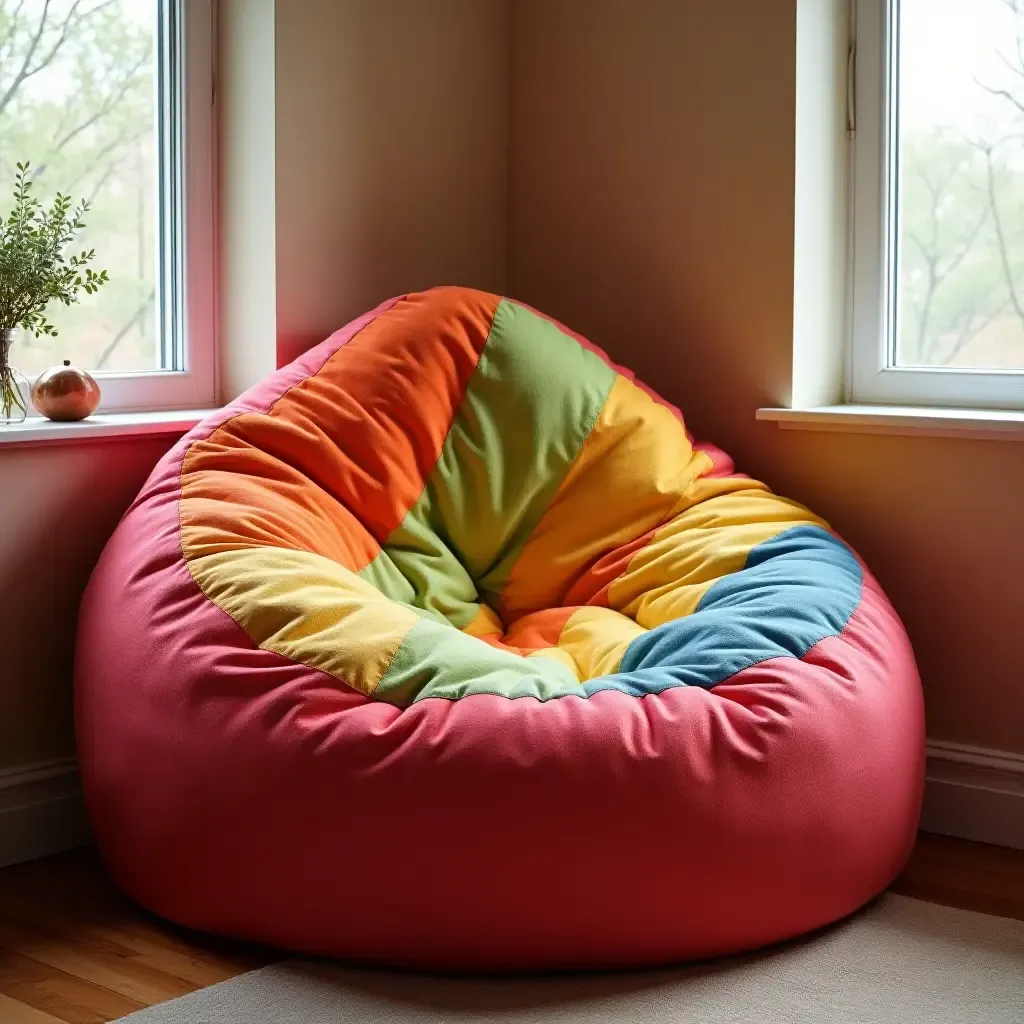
(186, 310)
(874, 179)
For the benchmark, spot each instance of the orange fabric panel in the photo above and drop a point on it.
(592, 587)
(497, 641)
(361, 434)
(235, 496)
(539, 630)
(386, 400)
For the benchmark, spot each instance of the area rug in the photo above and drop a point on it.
(899, 960)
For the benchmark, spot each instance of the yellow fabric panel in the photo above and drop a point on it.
(631, 474)
(308, 609)
(485, 623)
(557, 654)
(596, 638)
(666, 579)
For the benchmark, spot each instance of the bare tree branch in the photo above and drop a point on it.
(73, 17)
(930, 259)
(26, 64)
(926, 253)
(939, 259)
(967, 246)
(124, 139)
(28, 69)
(1002, 94)
(1001, 243)
(1017, 69)
(947, 272)
(929, 253)
(62, 38)
(971, 329)
(1017, 9)
(135, 318)
(12, 31)
(108, 104)
(101, 181)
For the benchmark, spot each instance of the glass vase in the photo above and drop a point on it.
(14, 385)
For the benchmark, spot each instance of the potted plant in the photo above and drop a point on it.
(35, 269)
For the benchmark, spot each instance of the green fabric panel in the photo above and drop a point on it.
(433, 579)
(383, 574)
(529, 406)
(437, 660)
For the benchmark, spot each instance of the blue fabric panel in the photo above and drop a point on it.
(793, 591)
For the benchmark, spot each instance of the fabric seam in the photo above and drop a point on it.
(397, 647)
(568, 469)
(181, 472)
(838, 635)
(440, 452)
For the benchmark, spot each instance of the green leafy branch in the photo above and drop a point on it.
(35, 267)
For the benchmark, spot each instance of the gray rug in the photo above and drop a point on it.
(899, 960)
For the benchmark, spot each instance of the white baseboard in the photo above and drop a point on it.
(970, 793)
(974, 794)
(41, 811)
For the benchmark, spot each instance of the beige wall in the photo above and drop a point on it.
(652, 207)
(363, 153)
(391, 155)
(60, 504)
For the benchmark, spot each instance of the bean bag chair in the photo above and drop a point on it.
(447, 646)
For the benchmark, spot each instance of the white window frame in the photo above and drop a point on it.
(186, 320)
(872, 377)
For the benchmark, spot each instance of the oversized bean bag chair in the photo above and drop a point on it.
(447, 646)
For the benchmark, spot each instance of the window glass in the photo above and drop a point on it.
(78, 101)
(959, 122)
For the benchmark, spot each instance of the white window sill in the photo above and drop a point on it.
(101, 426)
(926, 421)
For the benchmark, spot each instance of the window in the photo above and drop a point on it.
(111, 100)
(938, 203)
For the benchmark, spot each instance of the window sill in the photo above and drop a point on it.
(101, 427)
(923, 421)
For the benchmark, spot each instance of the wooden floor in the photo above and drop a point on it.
(73, 949)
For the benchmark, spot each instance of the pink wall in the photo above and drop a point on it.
(60, 504)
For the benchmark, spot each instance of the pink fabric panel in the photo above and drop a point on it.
(521, 834)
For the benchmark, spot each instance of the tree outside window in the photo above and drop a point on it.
(961, 204)
(77, 100)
